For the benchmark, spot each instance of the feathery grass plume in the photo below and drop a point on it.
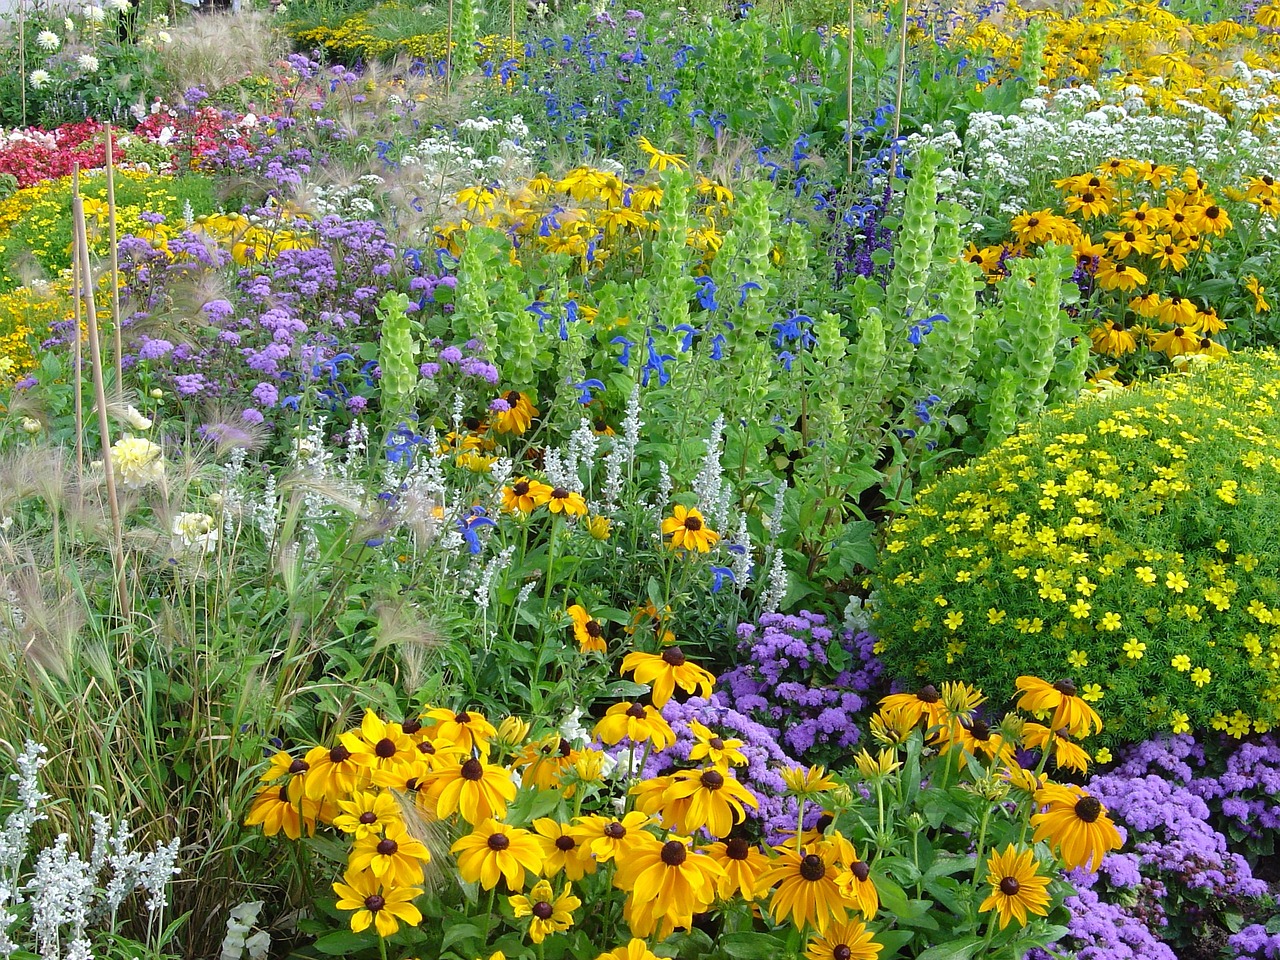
(41, 629)
(435, 835)
(226, 431)
(300, 484)
(217, 49)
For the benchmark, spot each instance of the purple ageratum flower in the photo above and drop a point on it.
(266, 394)
(357, 404)
(154, 349)
(451, 355)
(475, 367)
(250, 415)
(428, 370)
(1255, 943)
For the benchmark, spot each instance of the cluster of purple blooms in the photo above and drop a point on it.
(801, 678)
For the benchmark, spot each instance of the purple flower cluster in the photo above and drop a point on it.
(1255, 942)
(1105, 930)
(802, 680)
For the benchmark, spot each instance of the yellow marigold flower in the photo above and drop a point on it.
(1134, 648)
(1201, 676)
(1017, 889)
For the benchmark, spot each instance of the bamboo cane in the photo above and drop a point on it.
(448, 52)
(77, 351)
(902, 74)
(100, 397)
(115, 260)
(849, 87)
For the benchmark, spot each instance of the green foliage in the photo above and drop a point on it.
(1125, 541)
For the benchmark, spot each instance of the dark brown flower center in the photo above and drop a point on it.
(565, 844)
(614, 830)
(387, 847)
(559, 493)
(1179, 332)
(929, 694)
(1213, 212)
(411, 726)
(860, 869)
(1033, 221)
(521, 488)
(593, 629)
(737, 849)
(636, 711)
(368, 817)
(692, 523)
(542, 910)
(841, 951)
(512, 398)
(385, 748)
(824, 822)
(471, 423)
(498, 842)
(1130, 236)
(472, 769)
(283, 795)
(426, 746)
(1088, 809)
(1065, 687)
(673, 657)
(299, 766)
(1088, 196)
(1009, 886)
(339, 754)
(713, 779)
(980, 731)
(715, 743)
(674, 853)
(812, 867)
(463, 718)
(374, 903)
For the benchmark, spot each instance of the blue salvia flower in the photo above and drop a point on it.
(786, 358)
(922, 407)
(656, 364)
(720, 575)
(689, 333)
(717, 347)
(925, 327)
(539, 307)
(625, 358)
(749, 285)
(469, 527)
(586, 386)
(707, 293)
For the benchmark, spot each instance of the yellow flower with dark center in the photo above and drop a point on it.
(1176, 342)
(1089, 204)
(1169, 253)
(1119, 276)
(376, 903)
(550, 912)
(743, 864)
(379, 745)
(849, 940)
(495, 851)
(637, 949)
(636, 722)
(1016, 888)
(667, 884)
(1034, 228)
(473, 788)
(367, 814)
(977, 738)
(711, 798)
(1069, 710)
(568, 502)
(525, 495)
(1143, 218)
(925, 704)
(1178, 311)
(544, 762)
(513, 412)
(1210, 218)
(660, 159)
(1268, 206)
(688, 530)
(1066, 753)
(1146, 305)
(469, 729)
(333, 773)
(709, 745)
(878, 767)
(858, 889)
(1112, 340)
(666, 671)
(587, 630)
(1076, 826)
(607, 838)
(1123, 243)
(561, 850)
(1260, 304)
(806, 891)
(396, 857)
(283, 808)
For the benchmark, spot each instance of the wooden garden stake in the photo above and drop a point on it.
(902, 74)
(849, 87)
(100, 397)
(115, 260)
(448, 52)
(77, 354)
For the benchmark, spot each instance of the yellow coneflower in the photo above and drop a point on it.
(925, 704)
(1089, 255)
(568, 502)
(513, 412)
(561, 850)
(636, 722)
(542, 763)
(395, 857)
(1146, 305)
(1069, 710)
(1089, 204)
(525, 495)
(1260, 304)
(743, 864)
(1127, 242)
(857, 887)
(1208, 322)
(1176, 342)
(333, 773)
(1066, 752)
(688, 530)
(878, 767)
(380, 905)
(667, 884)
(497, 850)
(367, 814)
(1210, 218)
(1016, 888)
(1111, 339)
(379, 745)
(977, 738)
(473, 788)
(807, 781)
(1119, 276)
(892, 726)
(1076, 826)
(712, 799)
(849, 940)
(806, 891)
(1168, 253)
(666, 671)
(1268, 206)
(1034, 228)
(549, 912)
(281, 808)
(607, 838)
(587, 630)
(660, 159)
(469, 729)
(709, 745)
(1143, 218)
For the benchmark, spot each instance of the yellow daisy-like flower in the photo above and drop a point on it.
(1076, 826)
(561, 850)
(1134, 648)
(471, 787)
(1201, 676)
(1260, 304)
(849, 940)
(367, 814)
(568, 502)
(688, 530)
(382, 905)
(925, 704)
(807, 781)
(1069, 710)
(806, 890)
(712, 799)
(659, 159)
(525, 495)
(1016, 888)
(587, 630)
(513, 412)
(709, 745)
(636, 722)
(1179, 722)
(743, 864)
(468, 729)
(1181, 663)
(550, 913)
(667, 884)
(494, 851)
(396, 857)
(637, 949)
(857, 888)
(666, 671)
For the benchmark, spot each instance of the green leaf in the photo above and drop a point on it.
(458, 932)
(751, 946)
(340, 943)
(956, 950)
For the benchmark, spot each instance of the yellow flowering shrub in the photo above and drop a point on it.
(26, 315)
(366, 36)
(1126, 542)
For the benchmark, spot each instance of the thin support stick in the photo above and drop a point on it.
(115, 261)
(22, 57)
(448, 52)
(512, 50)
(902, 73)
(78, 351)
(100, 396)
(849, 87)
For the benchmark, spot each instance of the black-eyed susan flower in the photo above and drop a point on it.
(278, 808)
(1067, 754)
(367, 814)
(548, 911)
(688, 530)
(1125, 243)
(376, 903)
(1260, 304)
(1176, 342)
(667, 883)
(1119, 276)
(710, 799)
(893, 726)
(636, 722)
(469, 729)
(396, 857)
(379, 745)
(977, 738)
(1016, 888)
(710, 746)
(334, 772)
(925, 704)
(544, 762)
(562, 851)
(1089, 204)
(1113, 340)
(878, 767)
(587, 630)
(1210, 218)
(607, 837)
(1076, 826)
(637, 949)
(1034, 228)
(805, 890)
(743, 864)
(807, 781)
(525, 495)
(849, 940)
(1069, 710)
(666, 671)
(471, 787)
(1177, 311)
(1169, 253)
(857, 887)
(660, 159)
(513, 412)
(568, 502)
(494, 851)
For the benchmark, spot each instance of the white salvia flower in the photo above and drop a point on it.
(39, 79)
(239, 923)
(741, 564)
(708, 486)
(88, 63)
(526, 591)
(857, 615)
(156, 872)
(778, 580)
(618, 463)
(583, 444)
(494, 567)
(79, 949)
(664, 483)
(196, 530)
(48, 40)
